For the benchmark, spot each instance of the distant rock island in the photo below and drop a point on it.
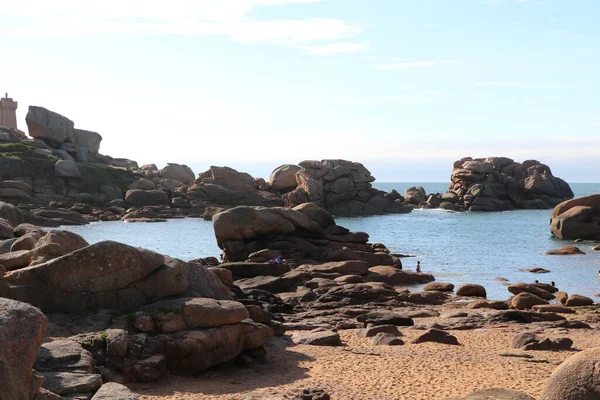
(58, 176)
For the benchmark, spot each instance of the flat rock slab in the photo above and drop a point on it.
(385, 318)
(64, 383)
(317, 338)
(65, 356)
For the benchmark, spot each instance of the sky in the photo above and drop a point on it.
(404, 86)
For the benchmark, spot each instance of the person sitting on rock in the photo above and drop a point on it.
(419, 267)
(553, 284)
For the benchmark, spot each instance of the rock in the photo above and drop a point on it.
(68, 241)
(521, 287)
(264, 255)
(577, 218)
(555, 308)
(114, 391)
(530, 341)
(116, 343)
(304, 394)
(316, 213)
(25, 242)
(575, 300)
(493, 304)
(88, 140)
(317, 337)
(224, 275)
(251, 270)
(374, 330)
(64, 383)
(526, 300)
(205, 283)
(576, 378)
(181, 173)
(385, 318)
(11, 213)
(439, 286)
(561, 296)
(48, 125)
(437, 336)
(538, 270)
(64, 355)
(386, 339)
(496, 394)
(565, 251)
(395, 276)
(472, 290)
(415, 195)
(66, 169)
(24, 229)
(202, 312)
(283, 178)
(137, 197)
(343, 267)
(6, 230)
(22, 329)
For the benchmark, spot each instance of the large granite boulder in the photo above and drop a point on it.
(49, 126)
(87, 140)
(577, 378)
(22, 330)
(577, 218)
(181, 173)
(283, 178)
(499, 183)
(11, 213)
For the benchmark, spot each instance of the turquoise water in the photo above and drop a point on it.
(454, 247)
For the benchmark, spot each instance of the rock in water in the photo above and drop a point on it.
(500, 183)
(577, 218)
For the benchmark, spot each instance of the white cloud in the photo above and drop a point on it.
(521, 85)
(232, 18)
(401, 64)
(333, 48)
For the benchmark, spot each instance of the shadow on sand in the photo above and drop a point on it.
(282, 367)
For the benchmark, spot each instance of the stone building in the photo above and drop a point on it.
(8, 112)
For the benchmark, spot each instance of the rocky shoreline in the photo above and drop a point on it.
(117, 314)
(58, 177)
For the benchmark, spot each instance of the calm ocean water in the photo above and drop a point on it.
(454, 247)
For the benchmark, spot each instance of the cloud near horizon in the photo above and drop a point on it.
(231, 18)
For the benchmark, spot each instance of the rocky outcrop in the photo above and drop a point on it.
(577, 218)
(104, 275)
(531, 341)
(22, 330)
(242, 231)
(283, 178)
(499, 183)
(342, 188)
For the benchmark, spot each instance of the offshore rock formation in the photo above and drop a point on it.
(499, 183)
(341, 187)
(577, 218)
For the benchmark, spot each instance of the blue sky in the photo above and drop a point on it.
(404, 86)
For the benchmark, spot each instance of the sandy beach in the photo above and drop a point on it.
(360, 370)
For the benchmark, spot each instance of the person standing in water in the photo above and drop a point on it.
(419, 267)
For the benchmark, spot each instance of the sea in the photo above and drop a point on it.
(490, 249)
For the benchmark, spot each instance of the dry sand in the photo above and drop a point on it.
(359, 370)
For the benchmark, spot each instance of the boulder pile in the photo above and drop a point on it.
(499, 184)
(341, 187)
